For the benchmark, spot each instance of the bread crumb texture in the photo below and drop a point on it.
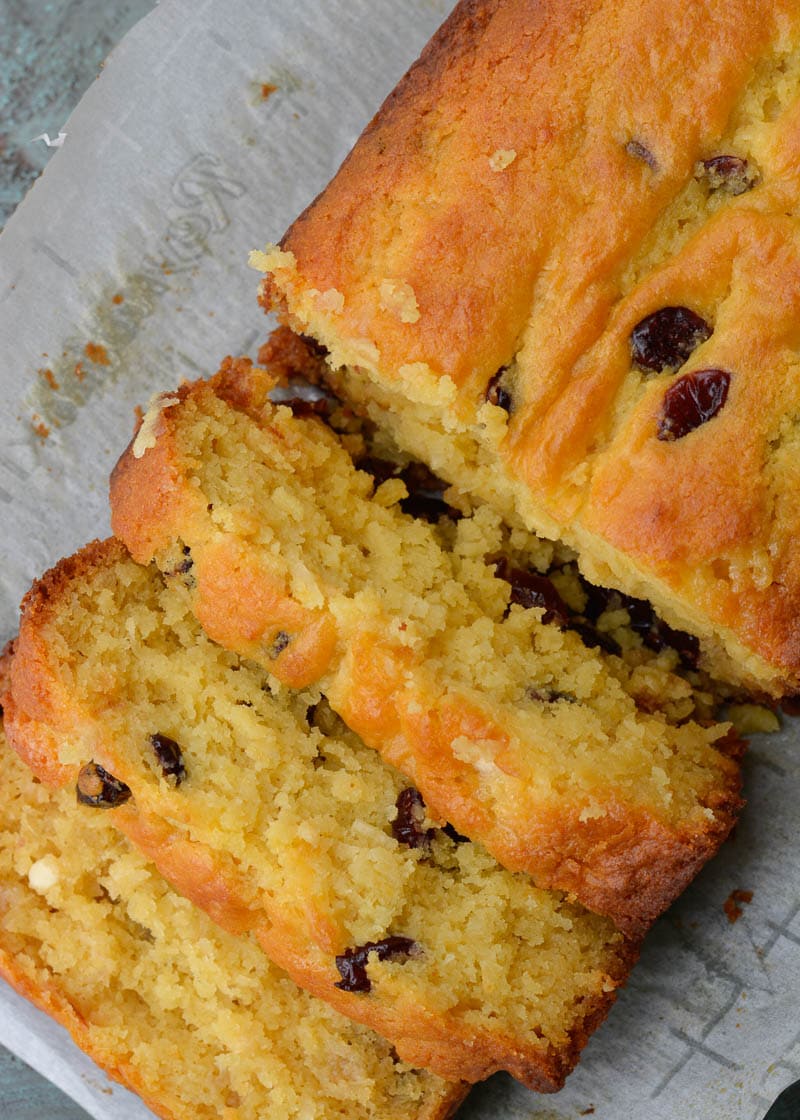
(196, 1020)
(594, 771)
(298, 827)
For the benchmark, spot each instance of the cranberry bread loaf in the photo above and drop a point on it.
(265, 811)
(561, 265)
(193, 1019)
(564, 761)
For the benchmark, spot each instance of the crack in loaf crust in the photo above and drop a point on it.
(92, 935)
(539, 181)
(286, 832)
(293, 564)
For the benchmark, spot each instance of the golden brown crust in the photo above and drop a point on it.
(713, 515)
(154, 471)
(286, 355)
(241, 605)
(39, 692)
(417, 195)
(527, 261)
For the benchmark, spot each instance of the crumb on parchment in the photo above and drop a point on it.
(50, 378)
(731, 904)
(96, 353)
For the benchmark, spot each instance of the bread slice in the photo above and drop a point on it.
(193, 1019)
(276, 820)
(566, 762)
(561, 266)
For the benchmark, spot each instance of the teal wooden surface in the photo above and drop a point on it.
(50, 52)
(24, 1095)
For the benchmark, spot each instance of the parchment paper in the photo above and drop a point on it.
(123, 272)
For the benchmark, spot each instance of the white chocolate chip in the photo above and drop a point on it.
(147, 434)
(397, 297)
(500, 160)
(43, 874)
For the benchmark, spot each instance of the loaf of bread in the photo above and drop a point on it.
(567, 763)
(260, 806)
(193, 1019)
(562, 266)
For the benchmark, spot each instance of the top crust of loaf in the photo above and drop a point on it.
(532, 189)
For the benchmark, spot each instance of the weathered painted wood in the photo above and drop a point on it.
(50, 53)
(24, 1095)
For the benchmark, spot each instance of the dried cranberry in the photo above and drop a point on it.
(665, 339)
(352, 964)
(169, 756)
(594, 638)
(691, 401)
(98, 788)
(425, 494)
(641, 615)
(597, 599)
(687, 646)
(279, 644)
(454, 835)
(497, 394)
(528, 589)
(407, 825)
(791, 705)
(732, 174)
(642, 619)
(636, 149)
(424, 488)
(655, 634)
(185, 565)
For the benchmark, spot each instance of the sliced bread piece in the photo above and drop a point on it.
(568, 763)
(275, 819)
